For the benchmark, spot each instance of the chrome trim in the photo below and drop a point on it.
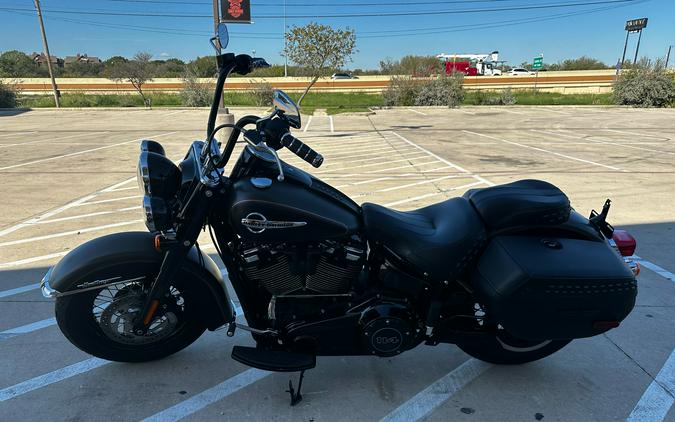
(51, 293)
(147, 213)
(264, 148)
(47, 291)
(210, 178)
(257, 331)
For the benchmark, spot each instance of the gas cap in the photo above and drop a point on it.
(261, 182)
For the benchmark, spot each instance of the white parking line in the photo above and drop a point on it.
(638, 135)
(428, 195)
(658, 270)
(18, 290)
(597, 141)
(104, 201)
(443, 160)
(419, 155)
(309, 121)
(91, 214)
(52, 139)
(31, 260)
(72, 154)
(16, 133)
(28, 328)
(50, 378)
(418, 112)
(424, 402)
(175, 112)
(68, 233)
(208, 397)
(332, 125)
(569, 157)
(657, 400)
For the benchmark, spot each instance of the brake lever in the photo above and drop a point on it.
(261, 146)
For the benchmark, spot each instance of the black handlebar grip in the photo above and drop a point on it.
(302, 150)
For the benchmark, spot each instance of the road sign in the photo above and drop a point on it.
(634, 25)
(235, 11)
(537, 63)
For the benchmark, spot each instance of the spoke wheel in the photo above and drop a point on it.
(100, 322)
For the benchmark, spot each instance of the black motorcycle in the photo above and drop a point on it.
(509, 273)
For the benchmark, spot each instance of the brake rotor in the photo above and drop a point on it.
(118, 318)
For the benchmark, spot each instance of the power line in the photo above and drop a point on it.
(349, 15)
(410, 3)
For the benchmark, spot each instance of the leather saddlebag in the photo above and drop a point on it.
(542, 288)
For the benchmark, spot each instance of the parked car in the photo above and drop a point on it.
(517, 71)
(343, 76)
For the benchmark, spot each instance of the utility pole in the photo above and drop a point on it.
(285, 45)
(49, 57)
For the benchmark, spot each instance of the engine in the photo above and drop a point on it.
(326, 267)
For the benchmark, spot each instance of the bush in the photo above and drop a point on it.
(441, 91)
(195, 94)
(262, 94)
(646, 85)
(507, 97)
(402, 91)
(7, 96)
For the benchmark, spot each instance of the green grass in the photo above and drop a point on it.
(333, 102)
(530, 97)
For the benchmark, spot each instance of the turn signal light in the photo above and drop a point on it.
(624, 242)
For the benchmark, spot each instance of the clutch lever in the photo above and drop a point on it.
(254, 139)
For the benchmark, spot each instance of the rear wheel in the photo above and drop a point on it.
(504, 349)
(100, 322)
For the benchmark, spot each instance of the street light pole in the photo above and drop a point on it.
(49, 57)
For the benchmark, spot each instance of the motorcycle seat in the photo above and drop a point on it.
(521, 203)
(440, 240)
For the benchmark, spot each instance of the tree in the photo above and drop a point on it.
(581, 63)
(319, 49)
(137, 72)
(15, 64)
(204, 67)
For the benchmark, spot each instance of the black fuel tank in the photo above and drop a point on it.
(287, 211)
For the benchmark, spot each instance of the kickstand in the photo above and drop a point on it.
(295, 397)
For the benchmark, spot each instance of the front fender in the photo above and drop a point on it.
(215, 306)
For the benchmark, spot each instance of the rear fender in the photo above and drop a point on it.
(207, 284)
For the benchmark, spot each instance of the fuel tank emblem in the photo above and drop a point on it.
(258, 223)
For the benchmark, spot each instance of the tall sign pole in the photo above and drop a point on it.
(668, 56)
(49, 57)
(216, 21)
(637, 47)
(633, 25)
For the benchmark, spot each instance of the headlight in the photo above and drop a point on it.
(157, 175)
(157, 214)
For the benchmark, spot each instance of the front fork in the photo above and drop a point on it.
(193, 216)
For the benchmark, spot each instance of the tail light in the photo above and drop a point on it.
(625, 243)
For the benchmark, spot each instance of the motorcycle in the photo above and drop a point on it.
(508, 273)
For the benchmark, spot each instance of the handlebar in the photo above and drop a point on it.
(302, 150)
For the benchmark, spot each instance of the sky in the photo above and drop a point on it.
(518, 29)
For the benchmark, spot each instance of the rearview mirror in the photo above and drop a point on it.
(287, 108)
(223, 36)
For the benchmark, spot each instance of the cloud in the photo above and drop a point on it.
(164, 55)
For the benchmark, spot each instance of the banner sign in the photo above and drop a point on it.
(235, 11)
(636, 24)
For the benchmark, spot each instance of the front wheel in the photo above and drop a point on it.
(504, 349)
(100, 322)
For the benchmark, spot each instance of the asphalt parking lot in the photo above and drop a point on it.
(69, 176)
